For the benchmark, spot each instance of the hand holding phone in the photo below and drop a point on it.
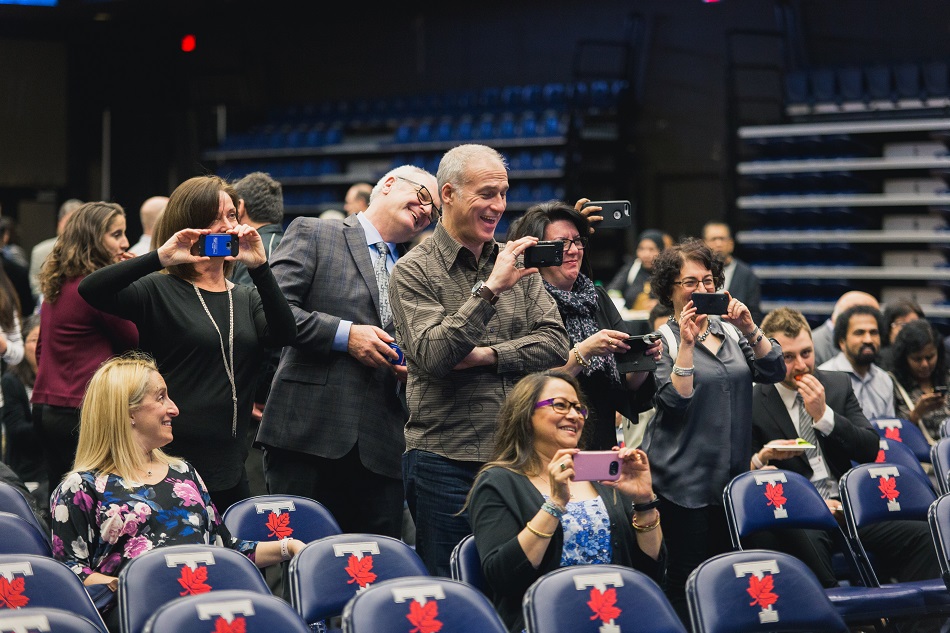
(596, 466)
(637, 359)
(616, 213)
(544, 254)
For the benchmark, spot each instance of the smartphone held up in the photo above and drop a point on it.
(544, 254)
(218, 245)
(596, 466)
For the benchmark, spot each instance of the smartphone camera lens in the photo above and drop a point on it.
(614, 468)
(617, 215)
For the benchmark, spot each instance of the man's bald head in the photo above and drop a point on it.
(149, 212)
(853, 298)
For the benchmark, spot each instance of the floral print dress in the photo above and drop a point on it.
(99, 524)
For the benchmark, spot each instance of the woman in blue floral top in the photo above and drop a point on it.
(125, 496)
(530, 517)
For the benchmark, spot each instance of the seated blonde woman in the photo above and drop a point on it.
(124, 495)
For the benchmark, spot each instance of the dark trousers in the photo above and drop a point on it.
(692, 535)
(436, 488)
(361, 501)
(59, 429)
(223, 499)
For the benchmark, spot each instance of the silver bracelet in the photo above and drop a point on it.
(758, 338)
(284, 549)
(682, 371)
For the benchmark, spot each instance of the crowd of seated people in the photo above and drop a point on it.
(494, 383)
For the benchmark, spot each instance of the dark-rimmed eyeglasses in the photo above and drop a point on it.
(563, 406)
(425, 198)
(691, 283)
(579, 242)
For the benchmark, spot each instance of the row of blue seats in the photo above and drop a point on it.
(809, 218)
(555, 95)
(505, 125)
(874, 82)
(519, 160)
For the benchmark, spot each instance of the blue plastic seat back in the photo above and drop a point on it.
(940, 458)
(33, 581)
(228, 610)
(46, 619)
(20, 537)
(586, 597)
(328, 572)
(423, 603)
(894, 452)
(273, 517)
(871, 493)
(938, 516)
(12, 500)
(466, 565)
(758, 590)
(905, 431)
(166, 573)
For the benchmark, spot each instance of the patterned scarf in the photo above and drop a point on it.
(578, 307)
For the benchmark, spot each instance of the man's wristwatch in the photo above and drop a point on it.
(483, 291)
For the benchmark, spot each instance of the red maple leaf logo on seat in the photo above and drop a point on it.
(775, 493)
(604, 605)
(880, 457)
(360, 570)
(762, 591)
(893, 433)
(423, 617)
(194, 581)
(888, 488)
(11, 593)
(238, 625)
(278, 525)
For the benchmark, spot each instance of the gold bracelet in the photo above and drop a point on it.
(580, 359)
(540, 534)
(646, 528)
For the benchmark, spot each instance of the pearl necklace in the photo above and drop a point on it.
(699, 339)
(227, 356)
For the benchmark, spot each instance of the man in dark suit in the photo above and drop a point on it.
(332, 429)
(903, 550)
(741, 282)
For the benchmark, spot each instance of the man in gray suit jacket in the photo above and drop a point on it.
(332, 428)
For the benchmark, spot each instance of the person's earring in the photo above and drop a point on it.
(133, 421)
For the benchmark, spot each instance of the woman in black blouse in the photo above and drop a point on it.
(207, 334)
(530, 517)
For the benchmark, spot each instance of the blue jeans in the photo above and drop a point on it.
(436, 488)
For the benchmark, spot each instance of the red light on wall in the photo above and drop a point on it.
(188, 43)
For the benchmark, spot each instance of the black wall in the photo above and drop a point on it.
(252, 56)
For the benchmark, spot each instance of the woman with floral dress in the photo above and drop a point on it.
(124, 495)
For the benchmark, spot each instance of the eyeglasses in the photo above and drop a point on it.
(562, 406)
(579, 242)
(425, 198)
(691, 283)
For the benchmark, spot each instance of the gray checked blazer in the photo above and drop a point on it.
(322, 402)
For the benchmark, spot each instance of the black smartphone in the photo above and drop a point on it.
(616, 214)
(635, 359)
(544, 254)
(218, 245)
(710, 302)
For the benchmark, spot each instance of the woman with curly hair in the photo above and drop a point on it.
(75, 337)
(920, 367)
(701, 435)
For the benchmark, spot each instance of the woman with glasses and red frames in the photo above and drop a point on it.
(593, 324)
(530, 516)
(701, 434)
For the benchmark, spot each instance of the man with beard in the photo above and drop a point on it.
(858, 336)
(903, 550)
